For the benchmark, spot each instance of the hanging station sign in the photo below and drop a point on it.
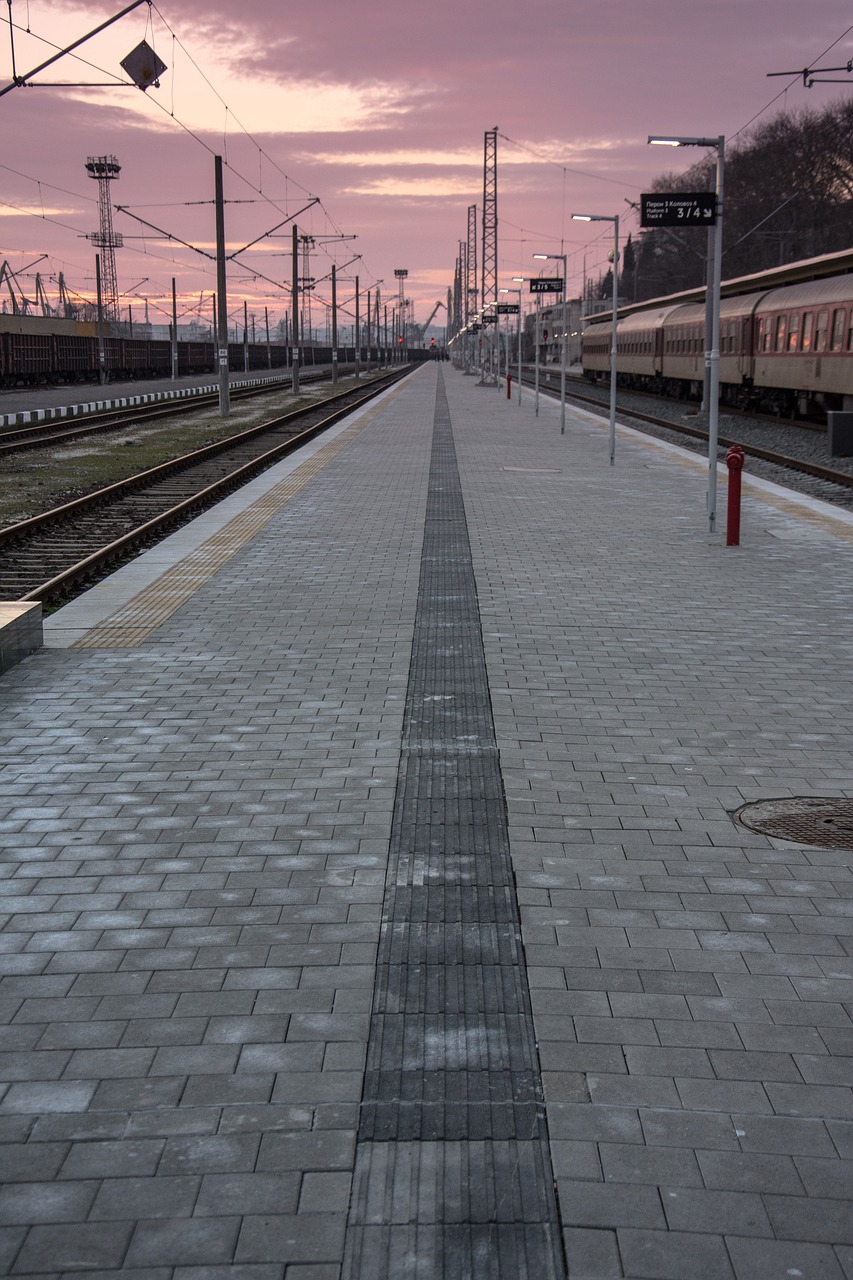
(691, 209)
(554, 285)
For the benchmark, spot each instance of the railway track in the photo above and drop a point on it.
(65, 550)
(53, 433)
(791, 462)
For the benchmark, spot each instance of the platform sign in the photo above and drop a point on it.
(691, 209)
(554, 285)
(491, 318)
(475, 328)
(507, 308)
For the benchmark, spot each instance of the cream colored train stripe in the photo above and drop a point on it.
(135, 621)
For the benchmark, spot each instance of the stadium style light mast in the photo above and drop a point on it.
(713, 356)
(561, 257)
(600, 217)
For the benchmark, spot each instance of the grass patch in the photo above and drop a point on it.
(40, 479)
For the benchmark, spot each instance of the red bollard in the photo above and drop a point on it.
(734, 462)
(509, 386)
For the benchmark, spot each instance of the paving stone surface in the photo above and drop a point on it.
(195, 836)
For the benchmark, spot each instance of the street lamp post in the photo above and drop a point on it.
(519, 280)
(712, 357)
(600, 217)
(561, 257)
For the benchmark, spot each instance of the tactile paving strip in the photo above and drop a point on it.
(452, 1170)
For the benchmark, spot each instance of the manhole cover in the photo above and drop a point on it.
(822, 820)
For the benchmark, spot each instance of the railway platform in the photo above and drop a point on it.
(378, 899)
(22, 406)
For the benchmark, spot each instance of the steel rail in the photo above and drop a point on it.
(83, 570)
(815, 469)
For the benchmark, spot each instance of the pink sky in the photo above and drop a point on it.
(380, 110)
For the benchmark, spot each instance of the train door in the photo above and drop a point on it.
(657, 358)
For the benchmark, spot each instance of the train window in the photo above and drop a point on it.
(808, 329)
(793, 332)
(850, 334)
(764, 334)
(837, 329)
(820, 330)
(781, 331)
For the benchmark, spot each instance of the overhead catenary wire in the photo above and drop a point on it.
(275, 202)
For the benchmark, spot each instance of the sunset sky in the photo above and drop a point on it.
(378, 109)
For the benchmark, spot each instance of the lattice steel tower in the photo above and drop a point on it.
(490, 219)
(105, 169)
(472, 289)
(401, 273)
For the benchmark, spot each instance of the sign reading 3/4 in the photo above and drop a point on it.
(677, 209)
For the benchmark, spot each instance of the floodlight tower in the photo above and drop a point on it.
(105, 169)
(401, 273)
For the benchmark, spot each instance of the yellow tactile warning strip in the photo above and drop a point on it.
(826, 521)
(791, 504)
(135, 621)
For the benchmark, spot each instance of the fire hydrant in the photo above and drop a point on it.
(734, 461)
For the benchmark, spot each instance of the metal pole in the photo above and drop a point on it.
(714, 389)
(357, 333)
(334, 325)
(102, 355)
(245, 336)
(536, 359)
(518, 334)
(222, 305)
(174, 333)
(368, 331)
(613, 343)
(709, 320)
(564, 259)
(267, 324)
(295, 321)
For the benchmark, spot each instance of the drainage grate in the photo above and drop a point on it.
(822, 820)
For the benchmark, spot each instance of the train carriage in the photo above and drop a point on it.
(683, 367)
(804, 344)
(786, 340)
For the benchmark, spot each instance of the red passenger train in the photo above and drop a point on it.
(786, 340)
